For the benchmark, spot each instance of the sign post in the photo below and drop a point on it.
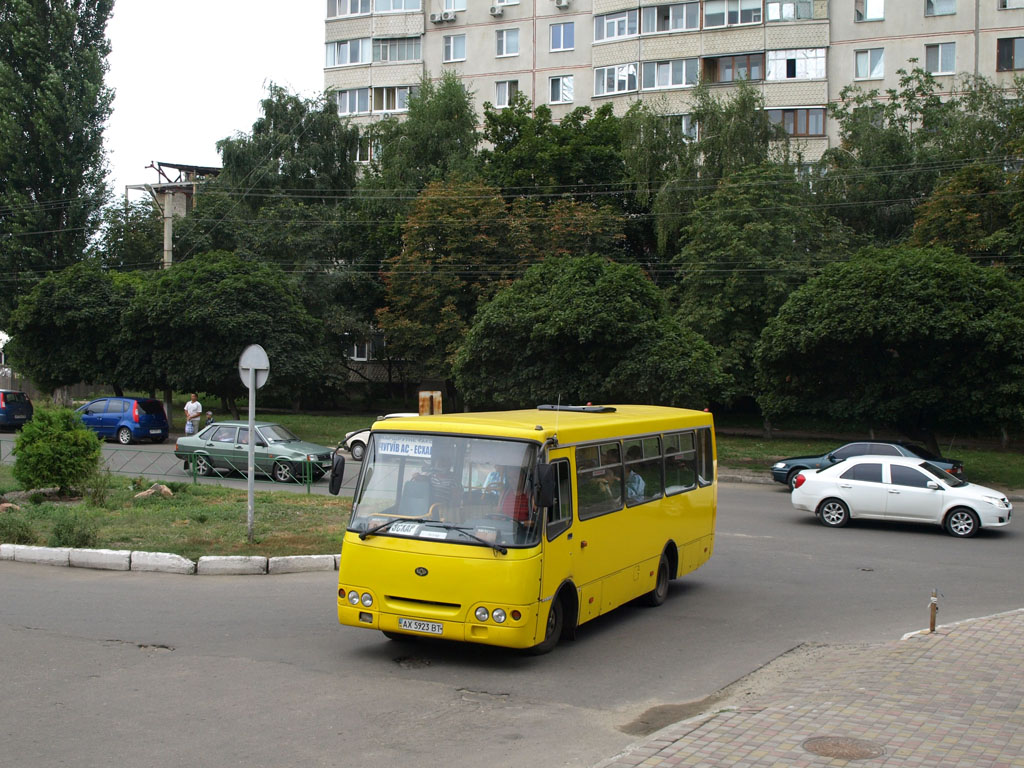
(253, 368)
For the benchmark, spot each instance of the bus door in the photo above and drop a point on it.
(559, 537)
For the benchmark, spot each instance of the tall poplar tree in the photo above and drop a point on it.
(52, 63)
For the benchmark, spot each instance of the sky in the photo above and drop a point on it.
(191, 72)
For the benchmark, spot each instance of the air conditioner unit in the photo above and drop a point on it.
(497, 10)
(561, 3)
(436, 18)
(448, 16)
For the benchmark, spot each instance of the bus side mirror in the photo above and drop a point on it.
(547, 484)
(337, 473)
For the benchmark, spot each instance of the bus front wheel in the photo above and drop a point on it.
(657, 595)
(553, 630)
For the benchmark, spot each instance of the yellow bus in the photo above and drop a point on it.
(512, 528)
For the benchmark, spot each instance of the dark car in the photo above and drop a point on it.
(127, 419)
(785, 471)
(15, 409)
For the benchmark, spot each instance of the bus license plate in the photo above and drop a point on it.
(427, 627)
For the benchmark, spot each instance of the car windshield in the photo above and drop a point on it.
(15, 397)
(275, 433)
(943, 475)
(463, 490)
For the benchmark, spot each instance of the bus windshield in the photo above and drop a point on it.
(463, 490)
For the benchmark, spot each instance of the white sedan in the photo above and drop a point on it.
(897, 488)
(355, 442)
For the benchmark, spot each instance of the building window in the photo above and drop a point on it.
(347, 7)
(728, 69)
(504, 92)
(789, 10)
(397, 49)
(618, 79)
(563, 36)
(870, 64)
(508, 42)
(939, 7)
(455, 5)
(798, 64)
(940, 59)
(671, 18)
(800, 122)
(353, 102)
(1009, 54)
(393, 98)
(1007, 4)
(720, 13)
(342, 52)
(615, 25)
(561, 90)
(386, 6)
(454, 48)
(868, 10)
(364, 150)
(688, 127)
(669, 74)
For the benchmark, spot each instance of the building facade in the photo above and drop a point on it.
(568, 53)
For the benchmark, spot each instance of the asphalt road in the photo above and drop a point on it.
(160, 670)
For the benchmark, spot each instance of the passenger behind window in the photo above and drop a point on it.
(634, 482)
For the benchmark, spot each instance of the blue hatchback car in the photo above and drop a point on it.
(126, 418)
(15, 409)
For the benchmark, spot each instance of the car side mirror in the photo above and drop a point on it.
(261, 443)
(832, 458)
(337, 473)
(934, 486)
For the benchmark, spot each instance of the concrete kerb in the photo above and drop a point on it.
(166, 562)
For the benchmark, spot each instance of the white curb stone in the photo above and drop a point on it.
(42, 555)
(7, 551)
(102, 559)
(164, 562)
(300, 563)
(231, 565)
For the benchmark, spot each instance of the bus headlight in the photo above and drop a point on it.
(367, 599)
(481, 614)
(353, 597)
(498, 615)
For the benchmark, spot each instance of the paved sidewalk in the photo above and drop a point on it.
(951, 699)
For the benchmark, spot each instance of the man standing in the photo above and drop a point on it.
(193, 408)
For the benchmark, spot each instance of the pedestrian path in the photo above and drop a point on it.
(949, 699)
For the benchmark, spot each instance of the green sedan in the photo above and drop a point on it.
(224, 447)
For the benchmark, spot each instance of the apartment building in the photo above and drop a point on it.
(567, 53)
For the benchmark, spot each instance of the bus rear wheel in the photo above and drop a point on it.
(657, 595)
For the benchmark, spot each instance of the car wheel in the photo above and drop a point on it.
(657, 595)
(283, 472)
(791, 478)
(962, 523)
(202, 466)
(357, 450)
(834, 513)
(124, 436)
(553, 630)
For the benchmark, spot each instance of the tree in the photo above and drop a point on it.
(65, 330)
(132, 237)
(193, 321)
(56, 449)
(454, 254)
(52, 63)
(583, 329)
(918, 339)
(749, 244)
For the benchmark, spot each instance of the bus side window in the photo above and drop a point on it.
(559, 514)
(705, 458)
(598, 479)
(643, 470)
(680, 463)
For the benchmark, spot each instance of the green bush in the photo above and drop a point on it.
(55, 449)
(15, 529)
(71, 530)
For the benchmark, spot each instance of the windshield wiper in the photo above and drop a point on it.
(466, 532)
(381, 526)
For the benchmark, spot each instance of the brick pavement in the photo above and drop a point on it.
(951, 699)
